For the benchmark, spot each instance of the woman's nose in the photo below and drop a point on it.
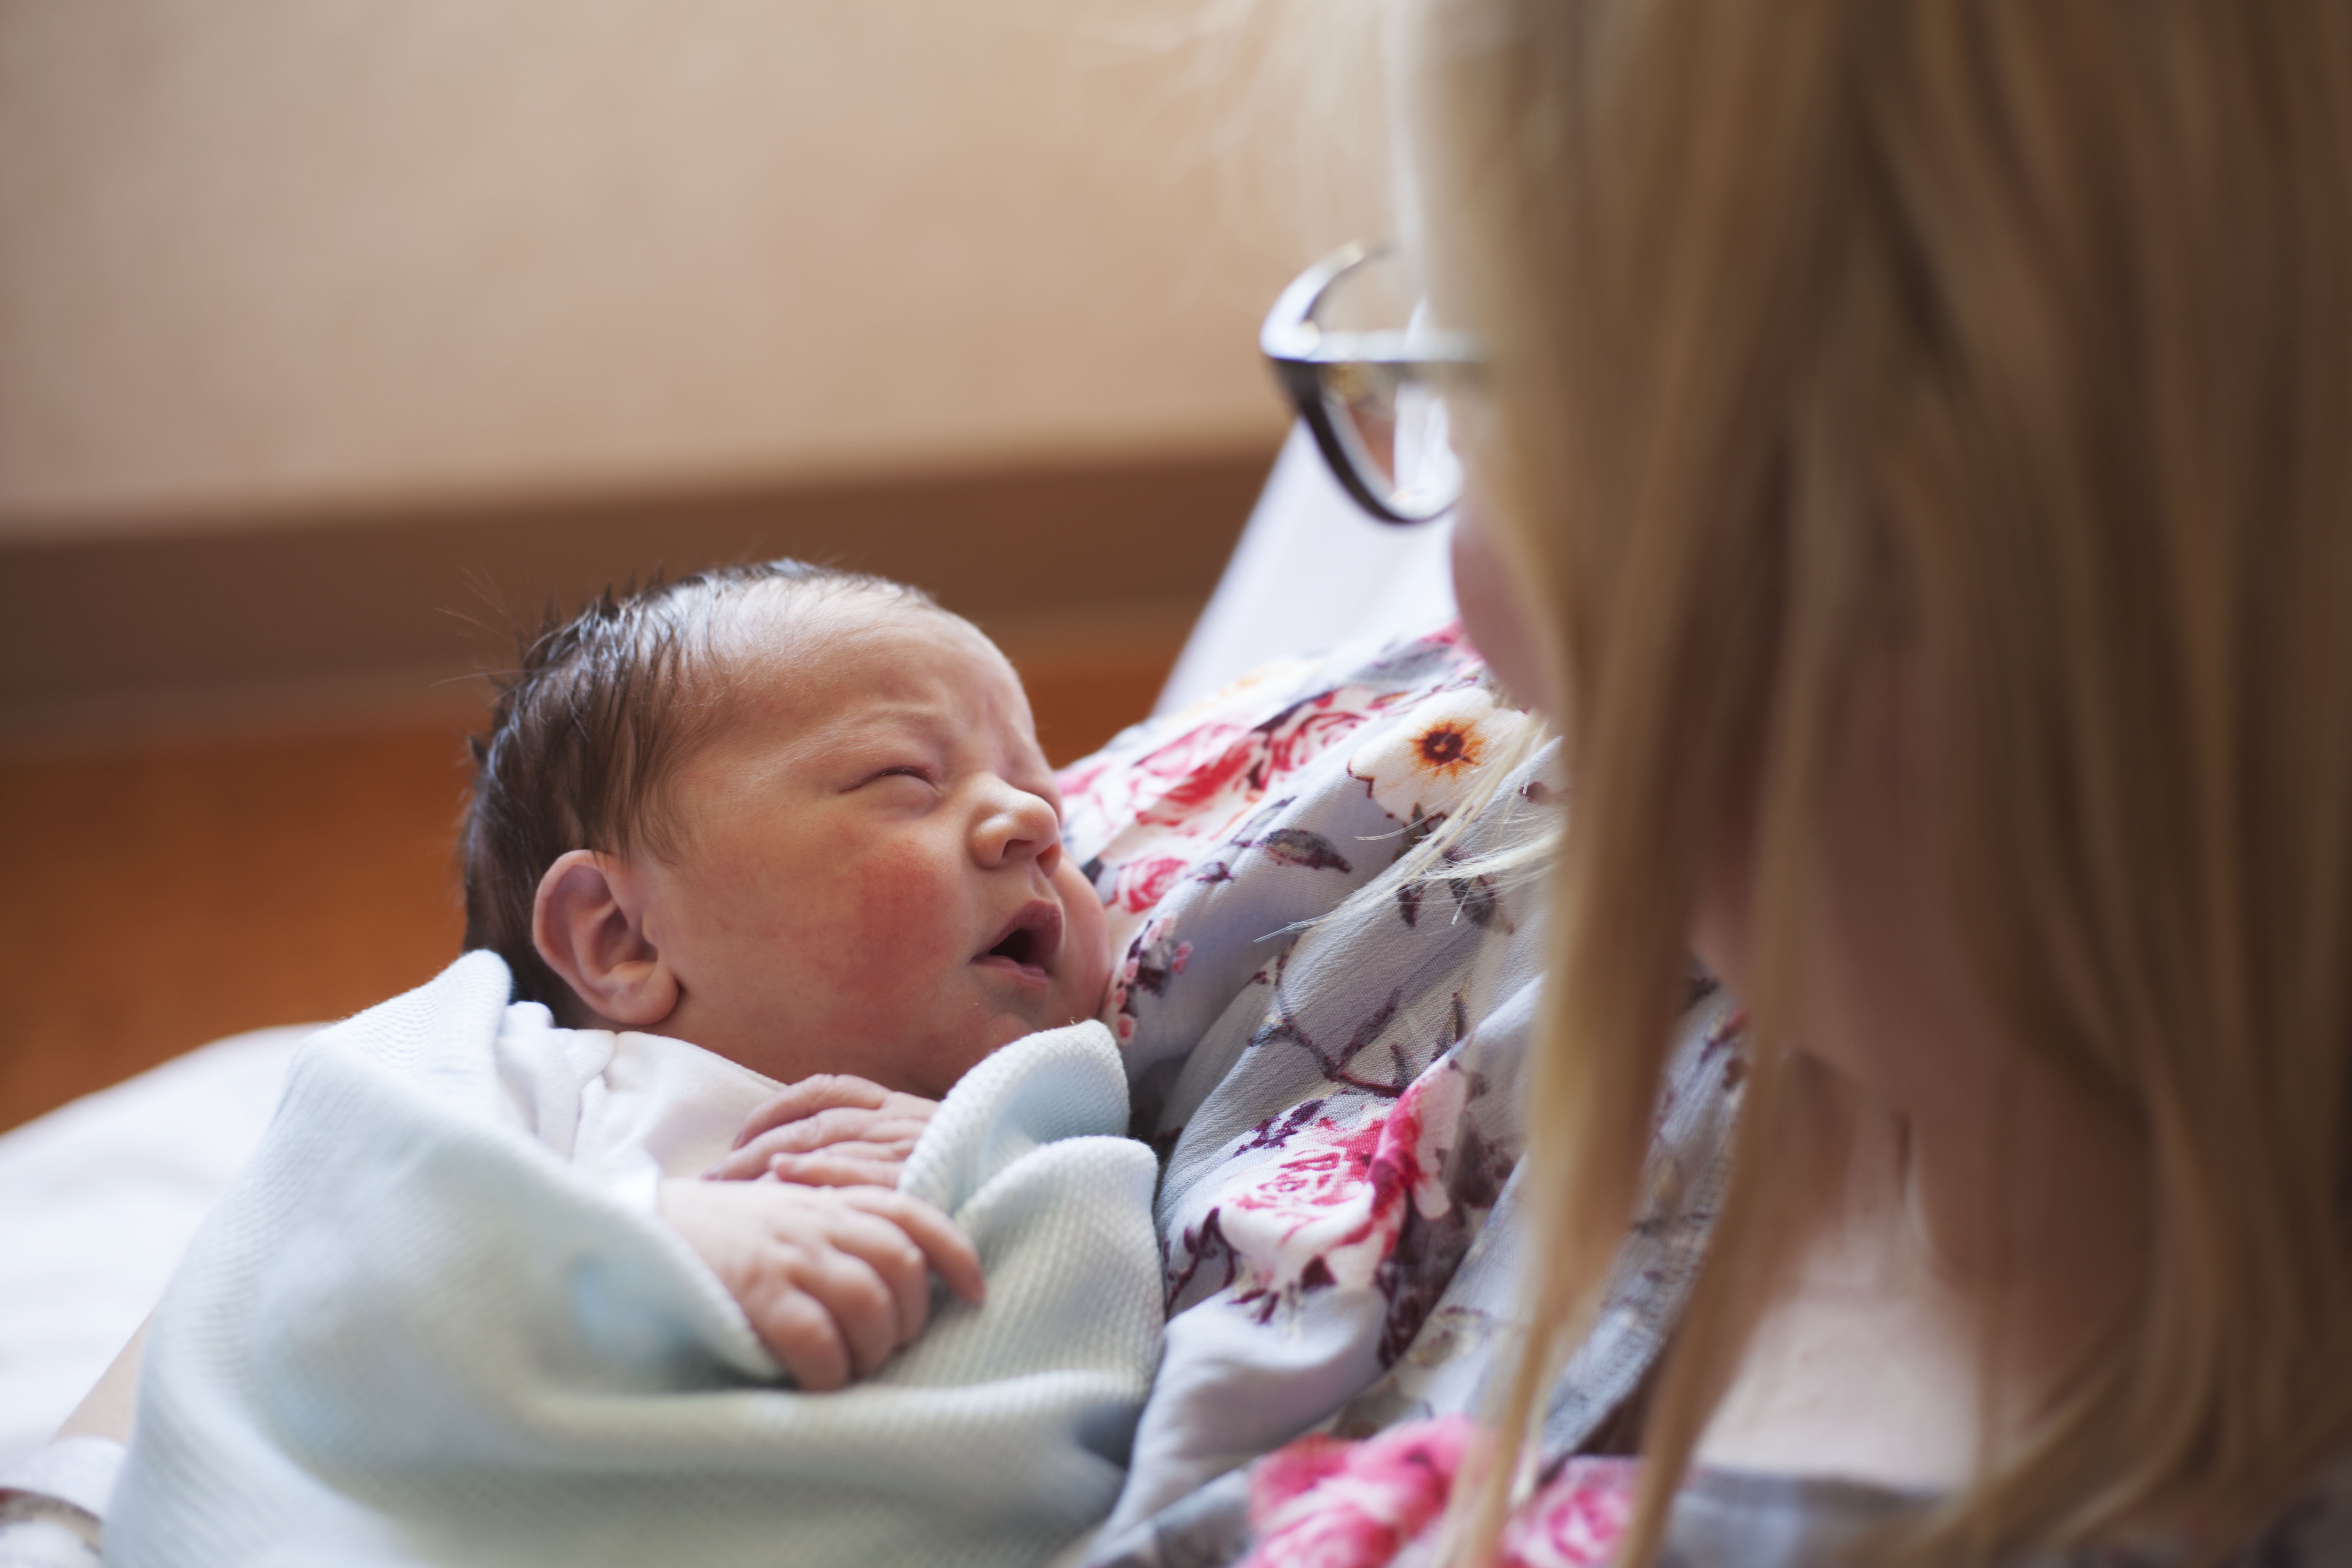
(1020, 826)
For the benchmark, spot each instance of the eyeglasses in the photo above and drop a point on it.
(1374, 398)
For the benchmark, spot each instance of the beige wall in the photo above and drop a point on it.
(271, 258)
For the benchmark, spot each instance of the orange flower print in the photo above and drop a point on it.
(1425, 766)
(1448, 746)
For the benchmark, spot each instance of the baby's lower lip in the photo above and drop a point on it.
(1028, 972)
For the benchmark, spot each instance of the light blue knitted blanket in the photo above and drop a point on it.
(411, 1334)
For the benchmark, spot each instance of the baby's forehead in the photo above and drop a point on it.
(787, 630)
(844, 655)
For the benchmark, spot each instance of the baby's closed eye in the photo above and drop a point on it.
(917, 772)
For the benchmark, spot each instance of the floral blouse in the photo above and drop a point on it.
(1332, 1081)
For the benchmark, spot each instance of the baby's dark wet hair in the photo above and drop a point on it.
(601, 710)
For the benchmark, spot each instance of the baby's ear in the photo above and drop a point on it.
(588, 923)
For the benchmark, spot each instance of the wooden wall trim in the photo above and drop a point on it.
(112, 638)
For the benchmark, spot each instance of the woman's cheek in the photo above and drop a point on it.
(1494, 613)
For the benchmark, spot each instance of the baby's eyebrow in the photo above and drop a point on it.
(920, 717)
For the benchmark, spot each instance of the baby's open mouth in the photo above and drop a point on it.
(1030, 942)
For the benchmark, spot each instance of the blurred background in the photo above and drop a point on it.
(337, 336)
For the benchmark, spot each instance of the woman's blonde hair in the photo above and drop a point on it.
(2017, 333)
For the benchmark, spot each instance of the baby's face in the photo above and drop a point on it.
(864, 871)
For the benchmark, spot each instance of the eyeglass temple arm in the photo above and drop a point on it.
(1290, 331)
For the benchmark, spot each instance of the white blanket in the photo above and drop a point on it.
(412, 1333)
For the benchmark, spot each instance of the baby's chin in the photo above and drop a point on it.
(998, 1032)
(1003, 1028)
(1095, 1002)
(1054, 1012)
(1096, 1009)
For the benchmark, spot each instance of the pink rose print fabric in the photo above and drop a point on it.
(1325, 1503)
(1154, 807)
(1576, 1520)
(1331, 1210)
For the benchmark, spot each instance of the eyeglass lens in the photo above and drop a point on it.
(1393, 423)
(1390, 419)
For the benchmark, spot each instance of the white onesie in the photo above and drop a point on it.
(627, 1110)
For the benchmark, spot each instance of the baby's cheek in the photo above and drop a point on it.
(903, 923)
(1086, 970)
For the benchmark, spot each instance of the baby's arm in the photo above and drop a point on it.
(829, 1130)
(833, 1279)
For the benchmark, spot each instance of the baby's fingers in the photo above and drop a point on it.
(808, 1096)
(900, 1266)
(845, 1124)
(800, 1330)
(863, 1305)
(889, 1135)
(944, 1244)
(826, 1092)
(835, 1169)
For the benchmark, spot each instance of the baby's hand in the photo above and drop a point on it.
(829, 1130)
(833, 1278)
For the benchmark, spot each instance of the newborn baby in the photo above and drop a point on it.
(799, 819)
(770, 862)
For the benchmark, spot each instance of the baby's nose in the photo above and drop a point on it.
(1023, 824)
